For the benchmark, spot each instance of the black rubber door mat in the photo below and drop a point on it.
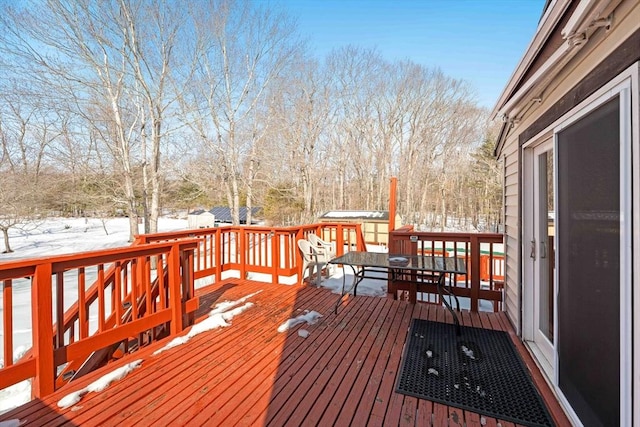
(478, 370)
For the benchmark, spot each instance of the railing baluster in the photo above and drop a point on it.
(118, 293)
(83, 327)
(7, 320)
(59, 309)
(134, 283)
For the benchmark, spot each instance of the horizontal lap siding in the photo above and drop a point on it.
(512, 229)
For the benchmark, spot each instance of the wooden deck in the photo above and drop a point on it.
(342, 374)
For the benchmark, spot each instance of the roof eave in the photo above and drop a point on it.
(547, 24)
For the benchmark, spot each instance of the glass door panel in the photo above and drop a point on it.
(546, 253)
(588, 239)
(542, 250)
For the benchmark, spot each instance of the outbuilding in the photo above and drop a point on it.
(375, 224)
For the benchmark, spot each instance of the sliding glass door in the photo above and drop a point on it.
(589, 280)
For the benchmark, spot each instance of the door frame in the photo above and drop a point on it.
(625, 85)
(531, 269)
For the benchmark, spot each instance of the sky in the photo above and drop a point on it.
(480, 41)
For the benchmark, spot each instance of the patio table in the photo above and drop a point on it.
(364, 264)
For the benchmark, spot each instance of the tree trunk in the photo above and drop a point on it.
(250, 187)
(7, 247)
(156, 181)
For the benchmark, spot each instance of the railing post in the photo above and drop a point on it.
(218, 255)
(339, 240)
(175, 282)
(361, 245)
(242, 247)
(7, 318)
(41, 312)
(393, 188)
(475, 272)
(392, 244)
(188, 290)
(275, 255)
(298, 257)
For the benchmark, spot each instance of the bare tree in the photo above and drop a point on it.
(358, 82)
(151, 33)
(301, 102)
(24, 137)
(219, 99)
(242, 48)
(111, 62)
(13, 208)
(79, 50)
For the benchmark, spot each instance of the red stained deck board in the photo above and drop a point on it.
(344, 373)
(408, 412)
(313, 377)
(440, 415)
(250, 357)
(425, 410)
(341, 382)
(295, 361)
(179, 383)
(245, 376)
(369, 397)
(298, 365)
(360, 397)
(472, 419)
(386, 391)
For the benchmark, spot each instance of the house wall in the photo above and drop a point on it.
(601, 46)
(512, 231)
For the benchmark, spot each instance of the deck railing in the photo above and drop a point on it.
(127, 297)
(117, 289)
(271, 251)
(482, 253)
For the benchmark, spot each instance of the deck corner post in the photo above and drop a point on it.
(275, 255)
(42, 333)
(361, 243)
(340, 240)
(243, 248)
(475, 272)
(218, 255)
(188, 284)
(175, 284)
(298, 256)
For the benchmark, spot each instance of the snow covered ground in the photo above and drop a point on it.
(57, 236)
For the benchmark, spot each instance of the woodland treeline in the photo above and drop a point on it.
(134, 107)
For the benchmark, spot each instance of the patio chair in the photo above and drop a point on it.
(329, 248)
(312, 259)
